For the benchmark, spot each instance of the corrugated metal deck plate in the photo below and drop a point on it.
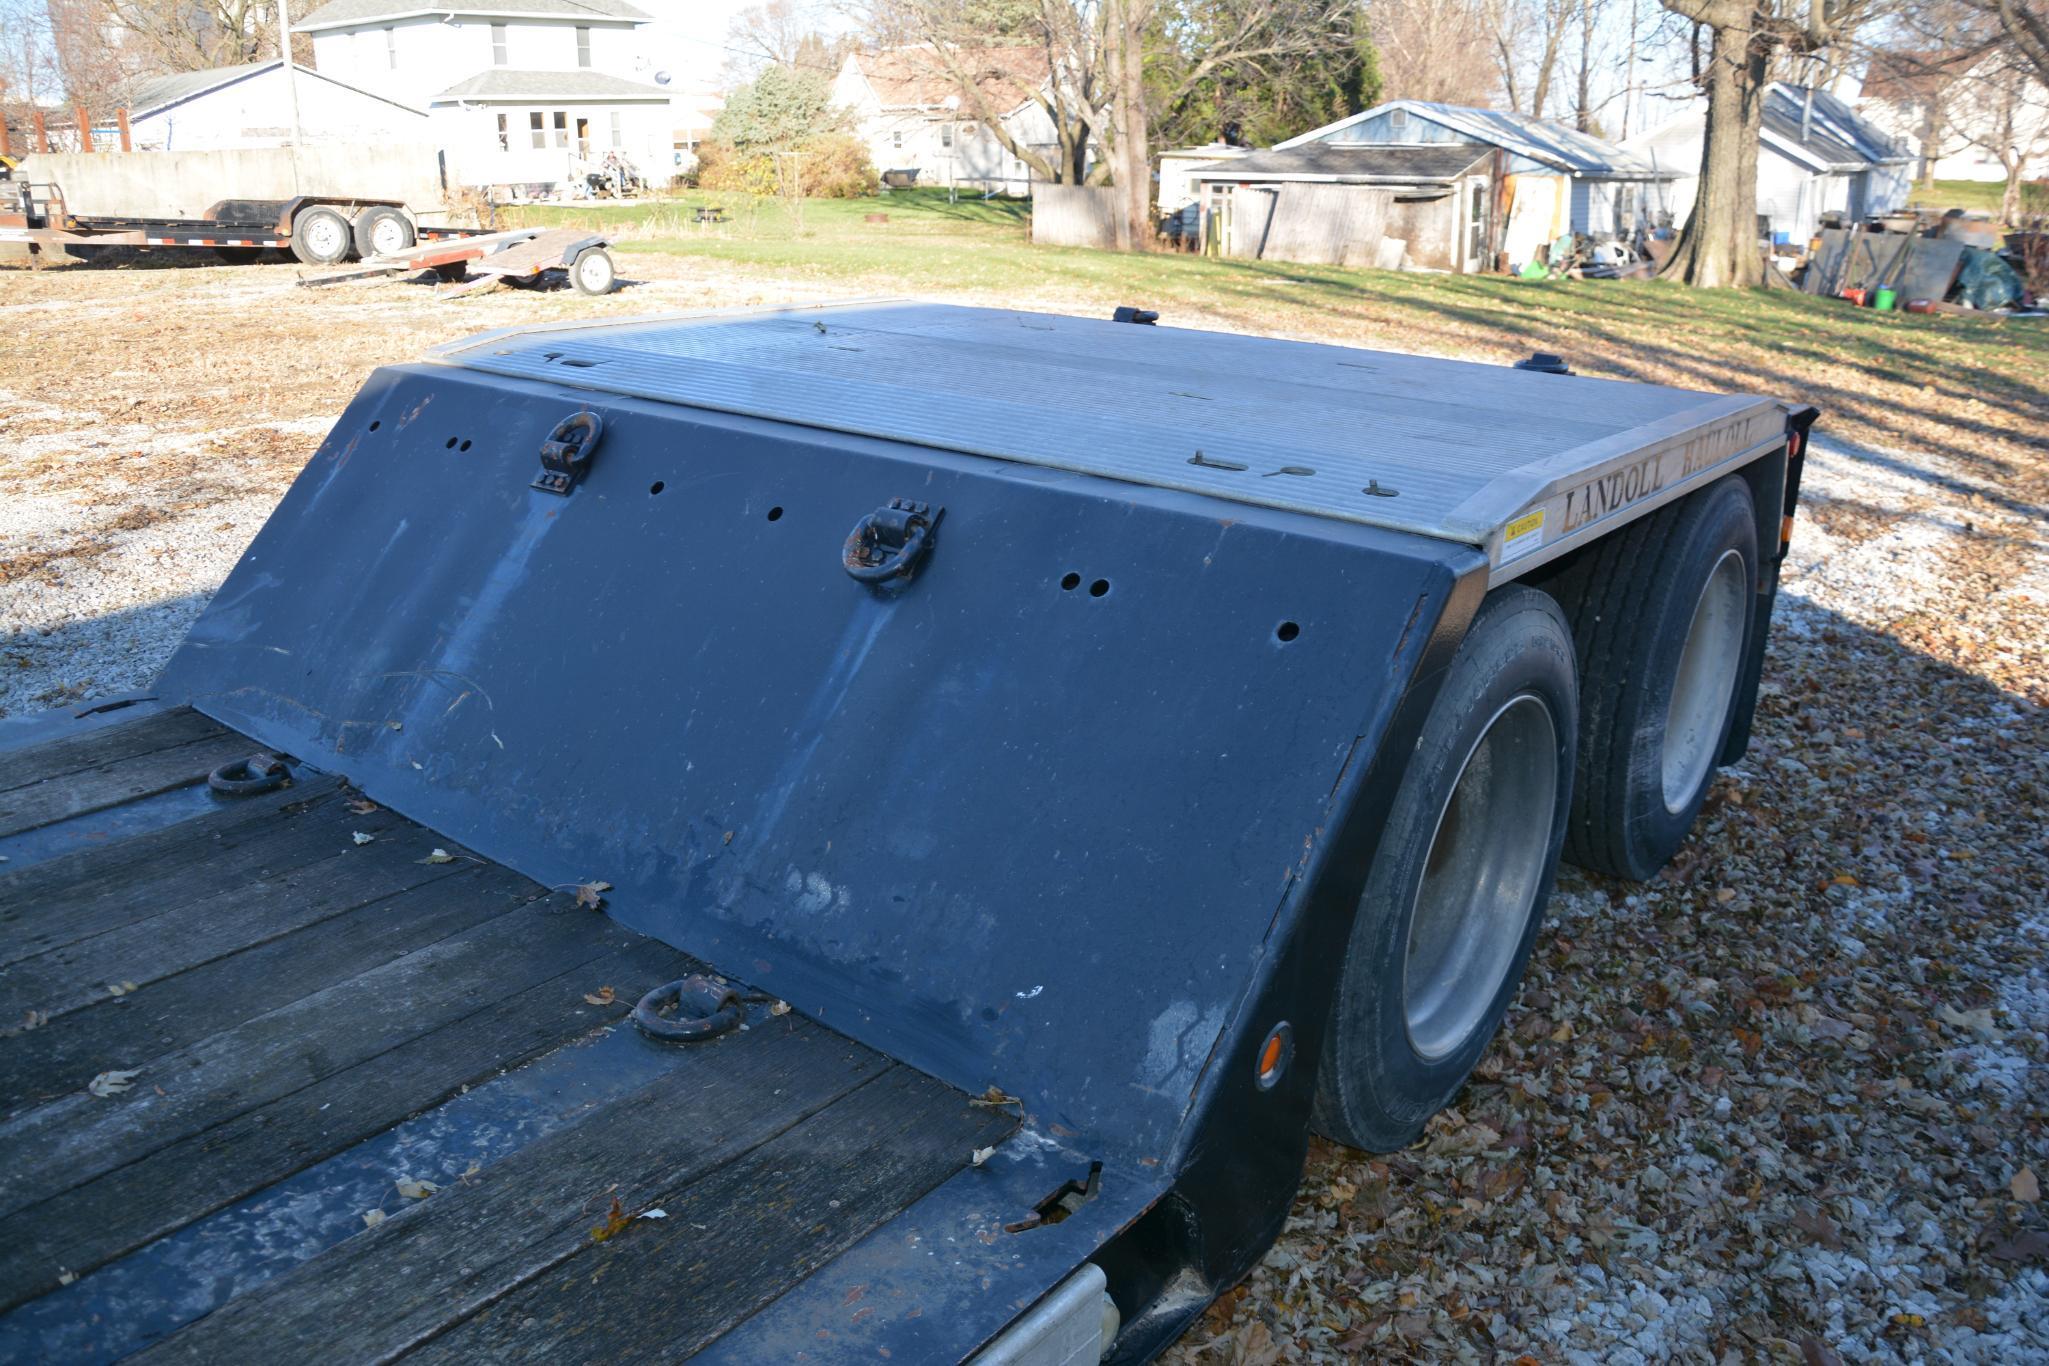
(1451, 449)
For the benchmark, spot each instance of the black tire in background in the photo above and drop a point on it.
(380, 230)
(321, 236)
(1660, 614)
(1457, 890)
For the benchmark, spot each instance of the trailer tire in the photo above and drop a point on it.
(592, 272)
(381, 230)
(321, 236)
(1660, 612)
(1457, 889)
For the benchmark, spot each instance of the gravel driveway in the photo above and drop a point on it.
(1786, 1102)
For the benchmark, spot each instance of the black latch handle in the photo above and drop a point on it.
(889, 542)
(566, 454)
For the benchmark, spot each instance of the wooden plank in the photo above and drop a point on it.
(1931, 268)
(37, 804)
(212, 1165)
(64, 1054)
(239, 914)
(104, 744)
(739, 1237)
(442, 1260)
(95, 890)
(68, 1141)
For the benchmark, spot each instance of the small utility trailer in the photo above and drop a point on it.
(523, 257)
(319, 230)
(1029, 771)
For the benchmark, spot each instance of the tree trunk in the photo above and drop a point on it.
(1134, 164)
(1718, 245)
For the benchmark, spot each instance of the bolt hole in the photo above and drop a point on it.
(375, 425)
(451, 443)
(1070, 581)
(775, 514)
(1287, 630)
(656, 487)
(1099, 587)
(464, 446)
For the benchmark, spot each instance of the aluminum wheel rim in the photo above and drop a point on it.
(1704, 682)
(1487, 858)
(388, 235)
(595, 272)
(325, 236)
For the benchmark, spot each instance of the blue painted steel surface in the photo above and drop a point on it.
(1026, 820)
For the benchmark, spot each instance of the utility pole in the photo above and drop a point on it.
(284, 46)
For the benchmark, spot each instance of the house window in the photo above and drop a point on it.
(618, 129)
(539, 124)
(504, 133)
(561, 128)
(946, 135)
(391, 48)
(1397, 120)
(583, 45)
(498, 57)
(896, 137)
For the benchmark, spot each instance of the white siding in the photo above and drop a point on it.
(256, 112)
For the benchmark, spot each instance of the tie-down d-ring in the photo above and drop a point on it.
(246, 777)
(704, 1010)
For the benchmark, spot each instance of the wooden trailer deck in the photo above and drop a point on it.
(233, 1032)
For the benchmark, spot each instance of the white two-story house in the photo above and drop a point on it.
(914, 118)
(517, 92)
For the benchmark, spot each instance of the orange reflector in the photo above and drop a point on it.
(1786, 530)
(1270, 1059)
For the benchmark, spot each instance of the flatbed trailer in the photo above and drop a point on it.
(318, 229)
(1171, 759)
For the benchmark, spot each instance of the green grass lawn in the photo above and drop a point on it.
(1966, 385)
(1979, 194)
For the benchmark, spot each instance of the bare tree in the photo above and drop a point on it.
(1999, 107)
(2026, 25)
(1528, 38)
(1718, 245)
(193, 35)
(1435, 50)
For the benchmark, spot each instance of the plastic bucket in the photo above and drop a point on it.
(1884, 299)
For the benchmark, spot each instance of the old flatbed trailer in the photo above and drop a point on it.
(1172, 757)
(319, 230)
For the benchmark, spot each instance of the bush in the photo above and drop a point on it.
(835, 166)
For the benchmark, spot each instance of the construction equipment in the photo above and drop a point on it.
(1085, 757)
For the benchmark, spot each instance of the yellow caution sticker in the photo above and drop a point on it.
(1522, 535)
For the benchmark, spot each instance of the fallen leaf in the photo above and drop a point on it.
(35, 1019)
(66, 1277)
(591, 895)
(2025, 1187)
(362, 838)
(439, 856)
(652, 1214)
(2024, 1247)
(981, 1155)
(415, 1190)
(362, 806)
(120, 988)
(603, 996)
(779, 1008)
(994, 1096)
(616, 1218)
(112, 1083)
(1819, 1227)
(372, 1218)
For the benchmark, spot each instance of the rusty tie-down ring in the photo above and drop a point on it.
(247, 777)
(717, 1009)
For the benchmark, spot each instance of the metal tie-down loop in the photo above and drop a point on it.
(715, 1010)
(889, 542)
(259, 772)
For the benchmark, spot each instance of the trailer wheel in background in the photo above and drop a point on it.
(381, 230)
(1457, 890)
(1661, 618)
(592, 272)
(321, 236)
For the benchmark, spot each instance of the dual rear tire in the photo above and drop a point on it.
(1585, 716)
